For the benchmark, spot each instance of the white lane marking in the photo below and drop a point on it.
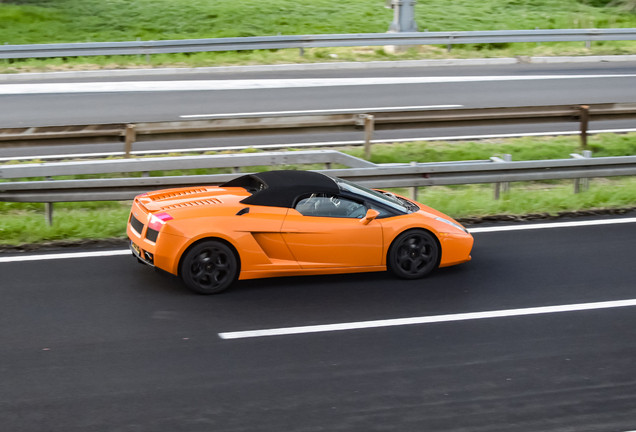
(551, 225)
(353, 110)
(255, 84)
(64, 256)
(472, 230)
(315, 144)
(426, 320)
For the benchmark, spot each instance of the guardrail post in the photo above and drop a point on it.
(236, 170)
(328, 165)
(505, 186)
(414, 189)
(582, 184)
(48, 213)
(585, 182)
(403, 16)
(368, 122)
(48, 208)
(584, 113)
(131, 136)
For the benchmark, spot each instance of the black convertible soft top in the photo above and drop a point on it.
(281, 188)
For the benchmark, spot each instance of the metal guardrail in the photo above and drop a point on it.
(334, 121)
(126, 188)
(362, 172)
(311, 41)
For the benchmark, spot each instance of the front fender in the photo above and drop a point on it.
(455, 244)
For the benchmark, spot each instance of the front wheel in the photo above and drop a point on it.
(413, 254)
(209, 267)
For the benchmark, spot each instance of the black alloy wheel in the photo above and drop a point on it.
(209, 267)
(413, 254)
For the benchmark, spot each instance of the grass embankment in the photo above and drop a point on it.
(24, 223)
(50, 21)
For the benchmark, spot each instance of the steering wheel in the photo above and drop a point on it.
(356, 210)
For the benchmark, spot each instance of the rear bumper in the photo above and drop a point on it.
(164, 254)
(146, 258)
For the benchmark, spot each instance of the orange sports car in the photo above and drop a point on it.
(288, 223)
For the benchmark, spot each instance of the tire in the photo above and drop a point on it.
(413, 254)
(209, 267)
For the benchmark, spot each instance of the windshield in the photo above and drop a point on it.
(387, 199)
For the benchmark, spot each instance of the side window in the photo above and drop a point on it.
(325, 205)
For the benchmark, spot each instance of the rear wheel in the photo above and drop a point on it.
(413, 254)
(209, 267)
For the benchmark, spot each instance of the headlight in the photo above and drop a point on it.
(446, 221)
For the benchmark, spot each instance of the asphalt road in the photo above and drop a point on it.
(86, 108)
(105, 344)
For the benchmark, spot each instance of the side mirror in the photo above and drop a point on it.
(371, 214)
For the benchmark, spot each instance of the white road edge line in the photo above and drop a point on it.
(261, 84)
(551, 225)
(19, 258)
(315, 144)
(65, 256)
(426, 320)
(321, 111)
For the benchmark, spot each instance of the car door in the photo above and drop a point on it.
(324, 231)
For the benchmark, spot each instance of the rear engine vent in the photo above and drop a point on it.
(152, 235)
(193, 204)
(176, 194)
(136, 224)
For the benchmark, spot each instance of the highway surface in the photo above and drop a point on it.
(153, 98)
(105, 344)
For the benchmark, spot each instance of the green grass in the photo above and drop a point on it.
(25, 223)
(108, 219)
(526, 148)
(47, 21)
(526, 198)
(50, 21)
(72, 221)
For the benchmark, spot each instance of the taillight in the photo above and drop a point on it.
(157, 220)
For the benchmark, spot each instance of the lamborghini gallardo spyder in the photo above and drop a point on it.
(289, 223)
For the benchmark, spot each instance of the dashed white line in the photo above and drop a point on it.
(315, 144)
(426, 320)
(300, 112)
